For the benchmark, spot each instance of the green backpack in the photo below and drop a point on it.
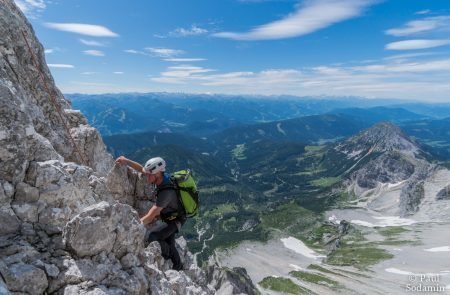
(187, 191)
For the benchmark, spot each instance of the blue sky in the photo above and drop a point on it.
(370, 48)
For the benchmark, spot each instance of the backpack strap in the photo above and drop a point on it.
(180, 213)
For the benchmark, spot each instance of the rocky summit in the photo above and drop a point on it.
(69, 217)
(389, 170)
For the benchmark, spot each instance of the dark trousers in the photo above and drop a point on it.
(166, 239)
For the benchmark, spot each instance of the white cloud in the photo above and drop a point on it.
(164, 52)
(92, 43)
(51, 50)
(311, 16)
(410, 67)
(389, 79)
(94, 52)
(421, 26)
(132, 51)
(425, 11)
(83, 29)
(178, 73)
(410, 55)
(31, 7)
(88, 73)
(65, 66)
(118, 73)
(184, 59)
(416, 44)
(193, 31)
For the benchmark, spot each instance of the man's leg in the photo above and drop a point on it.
(166, 239)
(174, 255)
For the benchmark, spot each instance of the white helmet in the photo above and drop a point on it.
(155, 165)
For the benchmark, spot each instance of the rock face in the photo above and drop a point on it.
(230, 281)
(444, 194)
(389, 171)
(68, 221)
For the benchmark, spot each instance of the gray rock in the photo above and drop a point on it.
(177, 281)
(4, 199)
(75, 118)
(88, 141)
(117, 228)
(27, 230)
(92, 231)
(130, 260)
(130, 231)
(443, 194)
(19, 253)
(51, 270)
(3, 288)
(413, 192)
(26, 193)
(230, 281)
(390, 167)
(100, 290)
(26, 278)
(9, 189)
(9, 221)
(140, 275)
(411, 197)
(130, 283)
(52, 220)
(121, 182)
(26, 212)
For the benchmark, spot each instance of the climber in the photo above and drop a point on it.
(167, 206)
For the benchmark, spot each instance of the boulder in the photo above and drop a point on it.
(26, 278)
(105, 227)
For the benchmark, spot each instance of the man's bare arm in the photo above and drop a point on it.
(124, 161)
(151, 215)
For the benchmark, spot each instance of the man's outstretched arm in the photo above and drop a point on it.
(124, 161)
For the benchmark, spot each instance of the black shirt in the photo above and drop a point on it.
(166, 197)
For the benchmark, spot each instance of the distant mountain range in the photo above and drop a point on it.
(203, 115)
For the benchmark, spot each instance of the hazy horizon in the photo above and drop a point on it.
(364, 48)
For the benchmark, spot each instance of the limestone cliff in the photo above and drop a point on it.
(67, 214)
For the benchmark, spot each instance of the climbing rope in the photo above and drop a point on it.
(53, 101)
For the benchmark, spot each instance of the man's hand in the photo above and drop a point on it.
(121, 160)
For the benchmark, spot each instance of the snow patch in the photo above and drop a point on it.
(408, 273)
(392, 185)
(439, 249)
(296, 267)
(398, 271)
(385, 221)
(333, 219)
(300, 248)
